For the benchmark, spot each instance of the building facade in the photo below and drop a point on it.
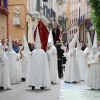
(30, 12)
(80, 12)
(17, 29)
(3, 19)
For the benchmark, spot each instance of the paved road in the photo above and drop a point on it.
(18, 92)
(79, 91)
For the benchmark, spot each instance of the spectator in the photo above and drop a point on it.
(30, 46)
(16, 47)
(5, 47)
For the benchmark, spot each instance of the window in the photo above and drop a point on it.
(72, 31)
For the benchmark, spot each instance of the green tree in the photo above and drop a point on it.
(95, 15)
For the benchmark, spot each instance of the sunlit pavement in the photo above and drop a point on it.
(18, 92)
(78, 91)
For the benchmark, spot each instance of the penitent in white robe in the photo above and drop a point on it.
(25, 63)
(87, 52)
(71, 69)
(4, 73)
(14, 66)
(82, 63)
(94, 76)
(38, 74)
(52, 59)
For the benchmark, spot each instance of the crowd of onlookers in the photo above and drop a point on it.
(83, 45)
(17, 44)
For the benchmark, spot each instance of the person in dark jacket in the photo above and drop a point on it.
(60, 55)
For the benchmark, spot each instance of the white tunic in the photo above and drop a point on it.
(94, 76)
(4, 72)
(14, 68)
(25, 63)
(87, 52)
(71, 69)
(52, 59)
(82, 63)
(38, 74)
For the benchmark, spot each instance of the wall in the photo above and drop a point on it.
(16, 32)
(3, 26)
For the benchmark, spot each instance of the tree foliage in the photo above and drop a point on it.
(95, 15)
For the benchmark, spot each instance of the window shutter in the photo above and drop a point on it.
(38, 5)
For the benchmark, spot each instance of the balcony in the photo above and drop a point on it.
(4, 7)
(4, 3)
(82, 19)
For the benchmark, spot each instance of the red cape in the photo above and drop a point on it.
(43, 32)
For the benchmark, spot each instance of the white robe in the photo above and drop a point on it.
(94, 76)
(14, 66)
(38, 74)
(52, 59)
(4, 73)
(87, 52)
(82, 63)
(25, 63)
(71, 69)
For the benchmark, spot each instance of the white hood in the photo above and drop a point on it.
(78, 45)
(37, 40)
(25, 42)
(89, 40)
(10, 45)
(1, 48)
(26, 47)
(50, 39)
(72, 43)
(95, 44)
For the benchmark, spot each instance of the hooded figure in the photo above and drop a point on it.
(52, 59)
(72, 73)
(94, 65)
(87, 52)
(4, 70)
(14, 64)
(25, 58)
(81, 61)
(38, 75)
(88, 49)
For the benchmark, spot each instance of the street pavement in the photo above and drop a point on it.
(61, 91)
(18, 92)
(78, 91)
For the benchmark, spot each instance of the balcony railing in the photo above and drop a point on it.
(82, 19)
(4, 3)
(48, 13)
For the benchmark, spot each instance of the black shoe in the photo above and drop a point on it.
(74, 82)
(51, 82)
(66, 82)
(1, 88)
(92, 89)
(42, 88)
(33, 87)
(23, 79)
